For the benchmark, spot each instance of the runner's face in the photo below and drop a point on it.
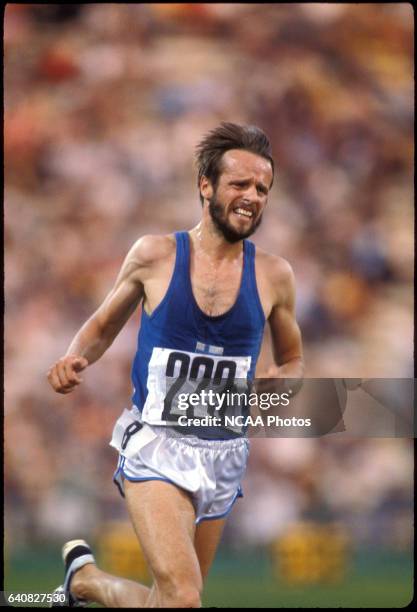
(238, 202)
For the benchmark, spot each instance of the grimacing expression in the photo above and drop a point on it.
(220, 219)
(237, 202)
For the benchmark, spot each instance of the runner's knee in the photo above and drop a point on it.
(189, 598)
(180, 593)
(183, 596)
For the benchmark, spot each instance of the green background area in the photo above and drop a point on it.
(247, 580)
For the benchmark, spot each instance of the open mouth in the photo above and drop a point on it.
(243, 212)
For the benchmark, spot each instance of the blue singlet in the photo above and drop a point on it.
(179, 345)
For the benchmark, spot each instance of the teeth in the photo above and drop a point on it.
(242, 211)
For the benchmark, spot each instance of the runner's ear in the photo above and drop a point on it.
(206, 188)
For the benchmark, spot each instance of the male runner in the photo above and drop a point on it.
(206, 295)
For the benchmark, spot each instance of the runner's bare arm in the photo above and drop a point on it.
(99, 331)
(285, 333)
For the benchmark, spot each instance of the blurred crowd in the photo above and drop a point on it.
(104, 104)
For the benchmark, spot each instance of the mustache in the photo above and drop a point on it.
(219, 217)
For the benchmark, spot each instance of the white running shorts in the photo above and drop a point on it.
(210, 470)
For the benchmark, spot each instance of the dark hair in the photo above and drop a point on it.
(228, 136)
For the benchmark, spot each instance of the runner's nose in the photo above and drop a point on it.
(251, 194)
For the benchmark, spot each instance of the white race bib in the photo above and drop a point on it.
(174, 375)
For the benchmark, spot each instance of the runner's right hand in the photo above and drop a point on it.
(63, 377)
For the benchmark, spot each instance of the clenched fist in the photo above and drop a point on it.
(63, 376)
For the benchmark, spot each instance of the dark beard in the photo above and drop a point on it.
(223, 226)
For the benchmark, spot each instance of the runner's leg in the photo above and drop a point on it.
(92, 584)
(207, 537)
(163, 518)
(118, 592)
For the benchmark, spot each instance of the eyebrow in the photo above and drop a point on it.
(261, 186)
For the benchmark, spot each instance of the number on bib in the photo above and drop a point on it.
(174, 376)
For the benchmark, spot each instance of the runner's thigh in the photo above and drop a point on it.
(163, 517)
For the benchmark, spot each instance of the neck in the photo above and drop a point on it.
(206, 238)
